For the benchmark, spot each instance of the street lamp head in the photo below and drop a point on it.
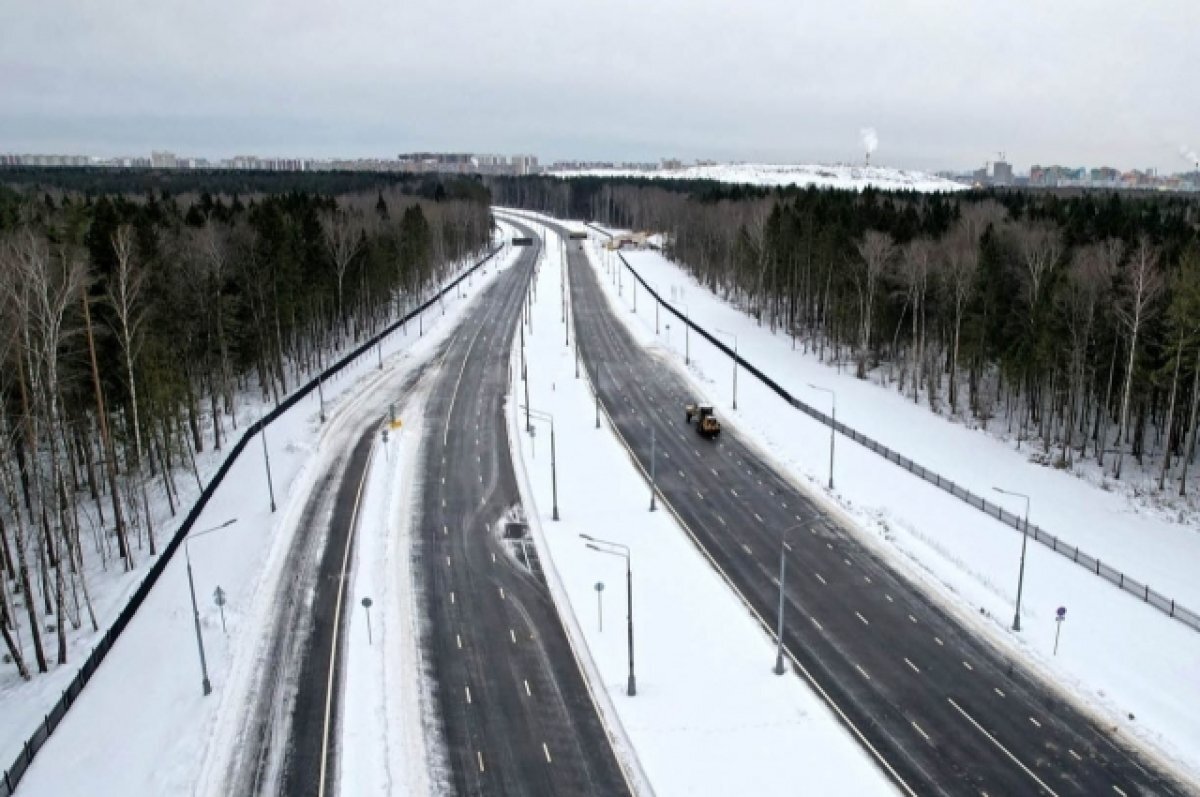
(587, 537)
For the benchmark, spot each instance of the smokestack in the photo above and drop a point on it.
(870, 140)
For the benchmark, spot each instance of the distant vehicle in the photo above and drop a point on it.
(707, 424)
(578, 236)
(522, 241)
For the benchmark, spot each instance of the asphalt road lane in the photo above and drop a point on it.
(940, 709)
(517, 717)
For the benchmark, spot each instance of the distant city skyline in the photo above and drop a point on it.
(945, 85)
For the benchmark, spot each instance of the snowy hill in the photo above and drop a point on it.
(838, 176)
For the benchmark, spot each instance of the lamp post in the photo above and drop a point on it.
(546, 417)
(832, 426)
(783, 549)
(735, 363)
(1024, 542)
(205, 684)
(653, 452)
(687, 334)
(622, 551)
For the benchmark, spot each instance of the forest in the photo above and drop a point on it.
(136, 318)
(1069, 322)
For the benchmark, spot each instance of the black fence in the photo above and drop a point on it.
(51, 721)
(1143, 592)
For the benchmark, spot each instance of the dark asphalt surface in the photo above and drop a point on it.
(938, 708)
(281, 750)
(517, 718)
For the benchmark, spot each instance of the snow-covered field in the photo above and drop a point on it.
(710, 717)
(1134, 666)
(142, 726)
(834, 176)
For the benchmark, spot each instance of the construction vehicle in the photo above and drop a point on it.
(706, 423)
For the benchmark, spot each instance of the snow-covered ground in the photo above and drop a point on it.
(710, 717)
(780, 174)
(1134, 666)
(142, 726)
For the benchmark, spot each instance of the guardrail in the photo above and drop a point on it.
(1144, 592)
(38, 738)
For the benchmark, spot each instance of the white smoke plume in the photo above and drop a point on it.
(1189, 155)
(870, 139)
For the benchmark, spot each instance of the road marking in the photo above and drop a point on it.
(443, 503)
(493, 557)
(914, 667)
(697, 453)
(337, 613)
(468, 695)
(1075, 754)
(1015, 760)
(997, 691)
(458, 639)
(859, 616)
(867, 579)
(681, 475)
(1118, 790)
(864, 672)
(829, 545)
(788, 547)
(527, 692)
(546, 750)
(912, 618)
(746, 548)
(714, 472)
(700, 495)
(513, 634)
(758, 517)
(445, 529)
(924, 735)
(447, 561)
(819, 578)
(889, 598)
(502, 593)
(818, 625)
(784, 504)
(847, 561)
(721, 520)
(967, 664)
(452, 597)
(939, 641)
(1036, 724)
(735, 494)
(443, 480)
(479, 756)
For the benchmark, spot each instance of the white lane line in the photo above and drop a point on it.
(452, 597)
(458, 639)
(788, 547)
(694, 451)
(513, 634)
(546, 750)
(912, 618)
(799, 518)
(700, 495)
(502, 593)
(847, 561)
(479, 757)
(758, 517)
(1004, 749)
(1119, 790)
(889, 598)
(735, 494)
(1036, 724)
(714, 472)
(867, 579)
(784, 503)
(681, 475)
(829, 545)
(493, 557)
(819, 578)
(996, 689)
(468, 695)
(864, 672)
(967, 664)
(1075, 754)
(445, 529)
(811, 529)
(859, 616)
(818, 625)
(924, 735)
(527, 692)
(939, 641)
(443, 480)
(447, 561)
(912, 666)
(746, 548)
(721, 520)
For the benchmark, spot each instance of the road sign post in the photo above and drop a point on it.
(366, 602)
(1060, 615)
(219, 599)
(600, 604)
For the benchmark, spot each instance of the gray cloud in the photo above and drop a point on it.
(944, 82)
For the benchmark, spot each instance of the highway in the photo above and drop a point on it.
(516, 714)
(936, 706)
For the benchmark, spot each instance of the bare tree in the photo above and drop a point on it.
(875, 251)
(915, 267)
(342, 240)
(1142, 286)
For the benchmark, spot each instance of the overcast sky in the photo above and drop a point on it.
(945, 83)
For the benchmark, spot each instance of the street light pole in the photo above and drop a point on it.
(783, 549)
(1024, 542)
(687, 334)
(205, 684)
(547, 417)
(653, 451)
(735, 363)
(832, 426)
(623, 551)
